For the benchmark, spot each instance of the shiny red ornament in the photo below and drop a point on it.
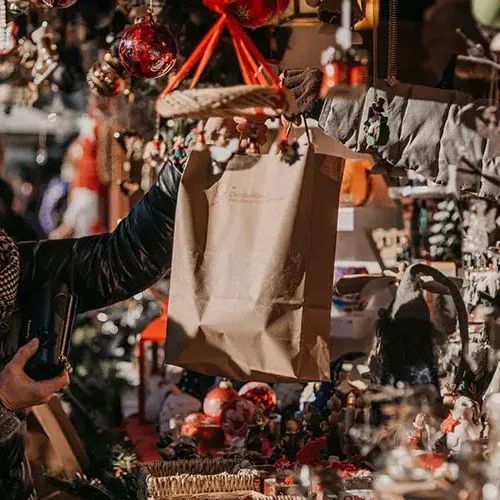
(250, 13)
(257, 13)
(216, 398)
(60, 4)
(148, 49)
(261, 395)
(236, 416)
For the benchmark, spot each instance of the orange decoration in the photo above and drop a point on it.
(430, 461)
(356, 183)
(216, 398)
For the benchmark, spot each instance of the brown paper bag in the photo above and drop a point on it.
(252, 272)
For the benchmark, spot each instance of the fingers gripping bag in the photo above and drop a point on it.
(252, 270)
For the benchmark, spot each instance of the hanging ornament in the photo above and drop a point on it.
(154, 158)
(261, 395)
(250, 13)
(41, 156)
(104, 81)
(47, 55)
(27, 52)
(216, 399)
(19, 7)
(8, 32)
(60, 4)
(148, 49)
(335, 71)
(236, 415)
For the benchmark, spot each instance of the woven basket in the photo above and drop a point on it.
(242, 100)
(188, 478)
(237, 495)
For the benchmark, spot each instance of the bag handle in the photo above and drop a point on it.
(285, 134)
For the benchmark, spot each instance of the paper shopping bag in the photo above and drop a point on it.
(252, 271)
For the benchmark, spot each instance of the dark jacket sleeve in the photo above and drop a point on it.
(112, 267)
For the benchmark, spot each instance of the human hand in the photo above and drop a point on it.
(18, 391)
(304, 85)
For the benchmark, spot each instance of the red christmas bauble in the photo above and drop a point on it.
(250, 13)
(256, 13)
(60, 4)
(148, 49)
(261, 395)
(236, 416)
(216, 398)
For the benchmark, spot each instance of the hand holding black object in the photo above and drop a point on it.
(18, 391)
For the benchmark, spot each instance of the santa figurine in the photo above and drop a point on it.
(462, 425)
(84, 215)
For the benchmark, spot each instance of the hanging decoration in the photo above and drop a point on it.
(60, 4)
(345, 68)
(262, 85)
(148, 49)
(107, 77)
(47, 55)
(19, 7)
(104, 81)
(250, 13)
(154, 156)
(8, 32)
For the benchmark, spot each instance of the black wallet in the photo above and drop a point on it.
(51, 320)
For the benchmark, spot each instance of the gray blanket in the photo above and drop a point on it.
(430, 129)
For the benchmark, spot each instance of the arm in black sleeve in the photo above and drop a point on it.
(112, 267)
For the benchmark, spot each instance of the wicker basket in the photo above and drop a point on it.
(187, 478)
(242, 100)
(237, 495)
